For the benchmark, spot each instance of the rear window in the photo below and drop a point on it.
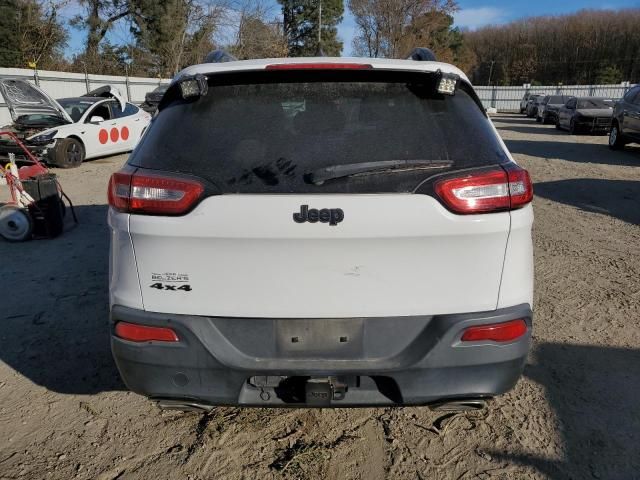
(267, 132)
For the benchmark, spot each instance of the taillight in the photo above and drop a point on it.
(319, 66)
(152, 193)
(497, 332)
(486, 191)
(144, 333)
(520, 186)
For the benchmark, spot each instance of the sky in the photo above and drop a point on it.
(472, 14)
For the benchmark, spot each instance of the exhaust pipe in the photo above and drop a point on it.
(459, 405)
(184, 405)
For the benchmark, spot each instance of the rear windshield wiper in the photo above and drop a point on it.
(318, 177)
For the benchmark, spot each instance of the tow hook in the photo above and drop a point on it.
(322, 390)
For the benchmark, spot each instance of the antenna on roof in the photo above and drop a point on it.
(219, 56)
(422, 54)
(320, 52)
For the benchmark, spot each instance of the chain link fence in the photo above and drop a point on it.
(507, 99)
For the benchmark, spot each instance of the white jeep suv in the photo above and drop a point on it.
(321, 232)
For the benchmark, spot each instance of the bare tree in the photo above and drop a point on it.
(581, 48)
(40, 33)
(385, 27)
(255, 35)
(99, 18)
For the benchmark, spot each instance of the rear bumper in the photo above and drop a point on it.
(595, 125)
(382, 361)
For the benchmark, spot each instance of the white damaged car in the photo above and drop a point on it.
(67, 131)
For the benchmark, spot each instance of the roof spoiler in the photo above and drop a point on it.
(422, 54)
(219, 56)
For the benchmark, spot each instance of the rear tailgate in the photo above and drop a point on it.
(255, 141)
(244, 256)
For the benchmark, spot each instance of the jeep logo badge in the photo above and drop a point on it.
(331, 216)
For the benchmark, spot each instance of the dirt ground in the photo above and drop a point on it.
(65, 414)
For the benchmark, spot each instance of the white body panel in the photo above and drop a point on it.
(376, 63)
(93, 135)
(516, 286)
(393, 255)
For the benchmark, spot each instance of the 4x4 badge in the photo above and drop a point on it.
(332, 216)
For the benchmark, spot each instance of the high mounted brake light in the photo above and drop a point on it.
(319, 66)
(498, 189)
(153, 194)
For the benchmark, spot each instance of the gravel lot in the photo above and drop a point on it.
(65, 414)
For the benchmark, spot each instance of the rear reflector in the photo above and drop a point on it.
(319, 66)
(144, 333)
(152, 193)
(497, 332)
(486, 191)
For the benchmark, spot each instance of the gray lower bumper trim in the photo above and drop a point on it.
(406, 360)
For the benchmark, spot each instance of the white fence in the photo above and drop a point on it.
(63, 84)
(507, 99)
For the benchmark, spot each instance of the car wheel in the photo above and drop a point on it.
(15, 224)
(538, 119)
(616, 140)
(68, 153)
(558, 127)
(573, 128)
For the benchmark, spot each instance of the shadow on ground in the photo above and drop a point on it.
(616, 198)
(573, 151)
(55, 308)
(594, 392)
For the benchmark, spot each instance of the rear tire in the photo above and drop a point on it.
(16, 224)
(68, 153)
(573, 128)
(616, 140)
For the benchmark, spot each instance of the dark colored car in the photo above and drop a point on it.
(625, 127)
(586, 114)
(152, 98)
(551, 103)
(533, 104)
(525, 101)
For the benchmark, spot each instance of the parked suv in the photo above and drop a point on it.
(322, 232)
(625, 127)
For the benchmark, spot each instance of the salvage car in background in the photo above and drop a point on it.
(625, 127)
(525, 101)
(548, 113)
(586, 114)
(152, 99)
(67, 131)
(533, 105)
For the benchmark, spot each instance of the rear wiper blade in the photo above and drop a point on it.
(318, 177)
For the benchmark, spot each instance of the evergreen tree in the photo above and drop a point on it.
(301, 24)
(9, 47)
